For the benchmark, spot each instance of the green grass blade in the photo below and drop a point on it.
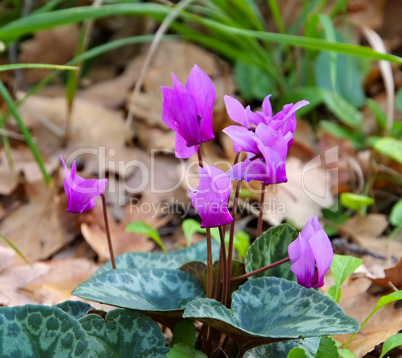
(42, 21)
(300, 41)
(15, 248)
(37, 65)
(276, 14)
(24, 130)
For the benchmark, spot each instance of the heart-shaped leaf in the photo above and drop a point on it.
(123, 333)
(270, 309)
(270, 247)
(76, 309)
(143, 290)
(155, 260)
(40, 332)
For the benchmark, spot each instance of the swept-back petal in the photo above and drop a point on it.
(250, 170)
(202, 90)
(236, 111)
(243, 139)
(181, 148)
(167, 109)
(266, 106)
(323, 254)
(302, 258)
(81, 192)
(311, 227)
(256, 117)
(183, 110)
(210, 200)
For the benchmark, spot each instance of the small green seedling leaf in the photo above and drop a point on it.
(391, 343)
(320, 347)
(144, 228)
(392, 297)
(191, 227)
(181, 350)
(389, 146)
(241, 242)
(379, 114)
(346, 353)
(184, 332)
(355, 201)
(342, 266)
(396, 214)
(297, 353)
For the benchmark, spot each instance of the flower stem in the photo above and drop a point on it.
(209, 263)
(262, 199)
(109, 240)
(209, 243)
(232, 230)
(262, 269)
(224, 264)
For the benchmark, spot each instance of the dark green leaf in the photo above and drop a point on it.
(144, 290)
(123, 333)
(39, 332)
(268, 309)
(270, 247)
(76, 309)
(170, 260)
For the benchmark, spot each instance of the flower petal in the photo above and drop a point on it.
(243, 139)
(202, 90)
(181, 148)
(266, 106)
(236, 111)
(303, 264)
(250, 170)
(183, 110)
(256, 117)
(167, 116)
(210, 200)
(323, 254)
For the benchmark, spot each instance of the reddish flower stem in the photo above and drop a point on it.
(231, 232)
(109, 240)
(262, 269)
(262, 199)
(224, 264)
(209, 243)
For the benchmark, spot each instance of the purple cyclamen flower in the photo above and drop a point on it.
(188, 111)
(283, 122)
(211, 198)
(271, 146)
(311, 254)
(81, 192)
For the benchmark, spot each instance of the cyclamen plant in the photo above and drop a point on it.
(255, 309)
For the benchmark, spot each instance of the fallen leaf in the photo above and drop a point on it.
(361, 228)
(93, 230)
(41, 226)
(61, 40)
(50, 290)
